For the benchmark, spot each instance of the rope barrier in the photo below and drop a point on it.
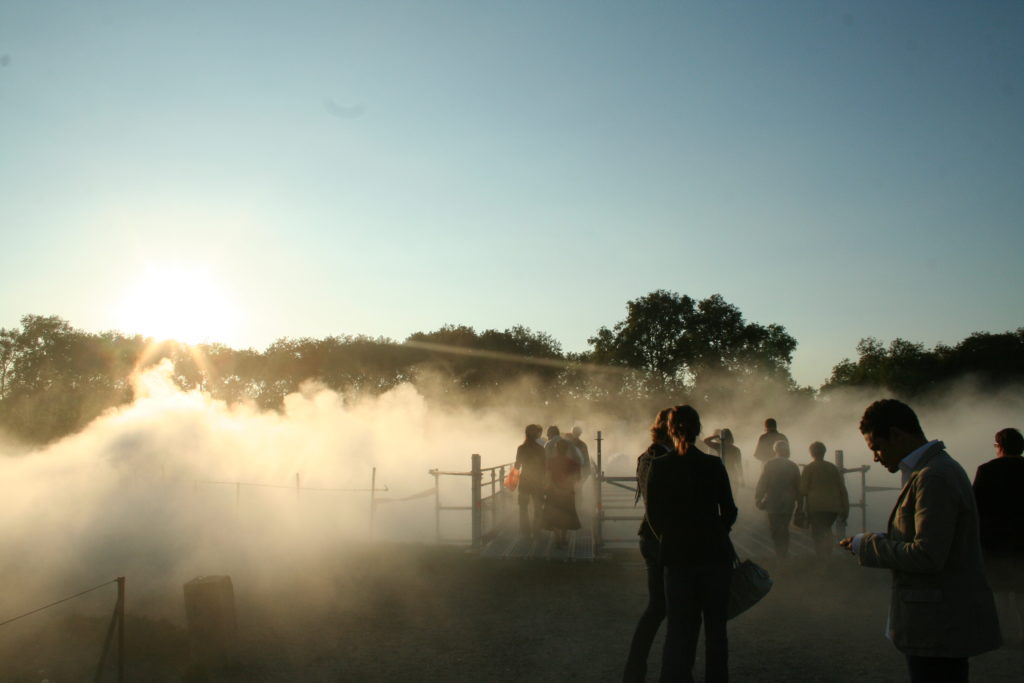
(282, 486)
(422, 494)
(52, 604)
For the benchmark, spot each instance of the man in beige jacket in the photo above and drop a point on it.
(942, 610)
(823, 499)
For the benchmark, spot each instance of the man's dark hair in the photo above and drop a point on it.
(532, 432)
(553, 431)
(817, 449)
(881, 416)
(770, 423)
(1010, 440)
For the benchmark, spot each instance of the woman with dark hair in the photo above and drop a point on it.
(691, 510)
(654, 613)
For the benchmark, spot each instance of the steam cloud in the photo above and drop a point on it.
(128, 495)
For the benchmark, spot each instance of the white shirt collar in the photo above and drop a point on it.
(909, 463)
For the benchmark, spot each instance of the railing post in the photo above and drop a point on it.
(437, 507)
(840, 462)
(477, 511)
(863, 500)
(599, 512)
(120, 629)
(373, 497)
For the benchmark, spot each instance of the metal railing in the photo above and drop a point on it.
(864, 491)
(618, 507)
(298, 487)
(491, 507)
(116, 625)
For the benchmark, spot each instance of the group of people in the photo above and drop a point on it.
(815, 498)
(947, 543)
(550, 470)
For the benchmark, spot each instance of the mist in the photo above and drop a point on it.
(147, 489)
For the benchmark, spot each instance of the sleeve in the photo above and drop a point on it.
(519, 457)
(726, 505)
(934, 522)
(805, 480)
(655, 500)
(762, 486)
(982, 498)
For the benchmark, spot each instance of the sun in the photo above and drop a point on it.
(184, 303)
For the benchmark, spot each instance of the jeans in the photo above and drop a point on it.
(526, 527)
(693, 594)
(653, 615)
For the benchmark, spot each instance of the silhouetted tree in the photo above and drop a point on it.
(686, 345)
(907, 368)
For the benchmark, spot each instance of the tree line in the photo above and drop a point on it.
(55, 379)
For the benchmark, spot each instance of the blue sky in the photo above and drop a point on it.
(842, 169)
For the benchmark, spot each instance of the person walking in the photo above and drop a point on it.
(691, 511)
(563, 471)
(998, 487)
(532, 464)
(765, 449)
(722, 442)
(823, 499)
(654, 613)
(776, 494)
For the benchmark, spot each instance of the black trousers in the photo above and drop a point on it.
(526, 526)
(692, 595)
(653, 614)
(821, 532)
(937, 669)
(778, 525)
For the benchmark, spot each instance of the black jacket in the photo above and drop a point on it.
(690, 508)
(998, 487)
(643, 469)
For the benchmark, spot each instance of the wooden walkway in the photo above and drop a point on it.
(508, 545)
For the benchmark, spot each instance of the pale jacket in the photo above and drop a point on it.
(823, 489)
(941, 603)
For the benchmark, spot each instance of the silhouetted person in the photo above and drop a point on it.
(691, 510)
(999, 490)
(823, 499)
(532, 464)
(560, 494)
(551, 445)
(942, 611)
(776, 494)
(583, 450)
(722, 443)
(654, 613)
(765, 449)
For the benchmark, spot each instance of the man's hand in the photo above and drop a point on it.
(847, 543)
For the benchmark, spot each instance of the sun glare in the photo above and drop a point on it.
(172, 302)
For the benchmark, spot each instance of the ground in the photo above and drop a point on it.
(427, 613)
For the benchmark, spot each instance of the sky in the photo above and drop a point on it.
(241, 171)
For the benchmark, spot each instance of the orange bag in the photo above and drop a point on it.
(512, 479)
